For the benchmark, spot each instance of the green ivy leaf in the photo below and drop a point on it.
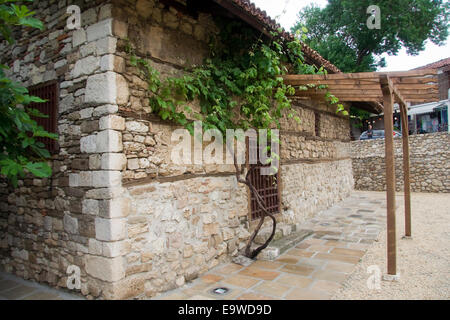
(39, 169)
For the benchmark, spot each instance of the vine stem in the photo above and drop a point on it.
(248, 253)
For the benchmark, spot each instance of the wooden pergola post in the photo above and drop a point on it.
(388, 99)
(406, 169)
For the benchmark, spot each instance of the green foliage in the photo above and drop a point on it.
(358, 116)
(20, 151)
(16, 15)
(239, 86)
(339, 32)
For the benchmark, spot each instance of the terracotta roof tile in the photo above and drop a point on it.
(436, 65)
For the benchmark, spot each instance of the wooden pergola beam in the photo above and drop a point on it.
(404, 89)
(352, 85)
(421, 100)
(424, 80)
(408, 74)
(366, 97)
(411, 86)
(363, 75)
(357, 92)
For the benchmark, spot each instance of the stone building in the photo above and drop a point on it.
(116, 207)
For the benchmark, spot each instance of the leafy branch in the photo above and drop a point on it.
(21, 152)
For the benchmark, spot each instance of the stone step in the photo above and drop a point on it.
(278, 247)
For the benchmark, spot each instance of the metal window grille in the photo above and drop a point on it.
(47, 92)
(267, 187)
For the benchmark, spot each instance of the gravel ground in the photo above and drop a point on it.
(423, 262)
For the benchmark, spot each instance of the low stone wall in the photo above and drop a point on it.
(429, 158)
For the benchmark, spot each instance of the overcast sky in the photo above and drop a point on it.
(285, 12)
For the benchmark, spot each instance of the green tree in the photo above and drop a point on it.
(20, 150)
(340, 34)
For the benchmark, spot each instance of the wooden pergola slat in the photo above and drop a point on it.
(360, 90)
(373, 88)
(412, 86)
(372, 97)
(363, 75)
(423, 80)
(433, 81)
(415, 94)
(370, 86)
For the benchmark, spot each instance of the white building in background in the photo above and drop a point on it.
(433, 117)
(427, 117)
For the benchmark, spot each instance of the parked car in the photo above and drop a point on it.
(378, 134)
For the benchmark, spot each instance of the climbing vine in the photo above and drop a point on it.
(239, 86)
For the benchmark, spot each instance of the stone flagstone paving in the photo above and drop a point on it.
(313, 270)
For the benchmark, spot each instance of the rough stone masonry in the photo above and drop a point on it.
(429, 162)
(133, 222)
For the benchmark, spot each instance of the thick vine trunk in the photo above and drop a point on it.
(248, 252)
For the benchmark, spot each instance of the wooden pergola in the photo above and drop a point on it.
(379, 91)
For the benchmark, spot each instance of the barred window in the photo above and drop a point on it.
(268, 186)
(317, 124)
(48, 92)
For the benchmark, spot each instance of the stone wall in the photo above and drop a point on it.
(310, 188)
(185, 219)
(429, 157)
(71, 218)
(116, 206)
(179, 230)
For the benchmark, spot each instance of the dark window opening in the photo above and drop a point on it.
(48, 92)
(188, 7)
(317, 124)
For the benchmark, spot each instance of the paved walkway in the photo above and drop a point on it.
(313, 270)
(15, 288)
